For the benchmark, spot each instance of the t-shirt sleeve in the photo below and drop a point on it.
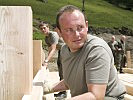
(55, 38)
(97, 67)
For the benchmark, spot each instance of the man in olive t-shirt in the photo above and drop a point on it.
(54, 42)
(87, 61)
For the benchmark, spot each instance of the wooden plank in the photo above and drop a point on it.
(129, 87)
(49, 96)
(44, 75)
(26, 97)
(36, 94)
(127, 80)
(16, 52)
(43, 55)
(40, 77)
(52, 78)
(128, 97)
(37, 56)
(126, 77)
(129, 59)
(128, 70)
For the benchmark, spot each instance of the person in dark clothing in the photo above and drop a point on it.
(120, 54)
(112, 45)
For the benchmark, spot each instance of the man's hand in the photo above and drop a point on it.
(47, 88)
(45, 64)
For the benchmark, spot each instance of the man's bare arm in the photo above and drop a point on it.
(51, 52)
(96, 92)
(60, 86)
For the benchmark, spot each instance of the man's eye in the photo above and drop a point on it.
(68, 30)
(80, 28)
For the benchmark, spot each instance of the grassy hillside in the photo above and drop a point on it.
(99, 12)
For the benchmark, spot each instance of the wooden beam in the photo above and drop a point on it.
(127, 80)
(43, 55)
(26, 97)
(43, 76)
(128, 97)
(37, 56)
(16, 52)
(40, 77)
(128, 70)
(129, 88)
(49, 97)
(129, 59)
(52, 78)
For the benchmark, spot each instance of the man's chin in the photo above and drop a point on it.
(78, 46)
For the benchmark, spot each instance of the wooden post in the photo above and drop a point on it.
(16, 52)
(37, 56)
(128, 59)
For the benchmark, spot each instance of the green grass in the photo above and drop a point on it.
(99, 12)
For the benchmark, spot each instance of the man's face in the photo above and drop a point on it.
(73, 29)
(45, 29)
(123, 38)
(113, 39)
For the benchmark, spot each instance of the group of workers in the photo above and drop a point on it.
(118, 48)
(85, 62)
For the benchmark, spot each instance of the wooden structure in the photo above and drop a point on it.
(128, 70)
(38, 56)
(127, 80)
(16, 59)
(129, 65)
(16, 52)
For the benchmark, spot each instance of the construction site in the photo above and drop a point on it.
(21, 72)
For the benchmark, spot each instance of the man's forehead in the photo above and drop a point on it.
(70, 15)
(44, 25)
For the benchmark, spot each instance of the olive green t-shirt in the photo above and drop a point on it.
(92, 64)
(53, 38)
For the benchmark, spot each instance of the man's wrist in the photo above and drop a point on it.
(45, 61)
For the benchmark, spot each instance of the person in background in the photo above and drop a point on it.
(51, 39)
(121, 53)
(54, 43)
(87, 61)
(112, 44)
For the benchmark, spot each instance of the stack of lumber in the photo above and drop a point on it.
(44, 75)
(127, 80)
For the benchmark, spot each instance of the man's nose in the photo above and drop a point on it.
(77, 33)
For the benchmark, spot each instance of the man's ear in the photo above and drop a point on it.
(59, 32)
(86, 22)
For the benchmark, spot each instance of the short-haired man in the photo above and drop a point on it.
(87, 61)
(121, 53)
(112, 44)
(54, 43)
